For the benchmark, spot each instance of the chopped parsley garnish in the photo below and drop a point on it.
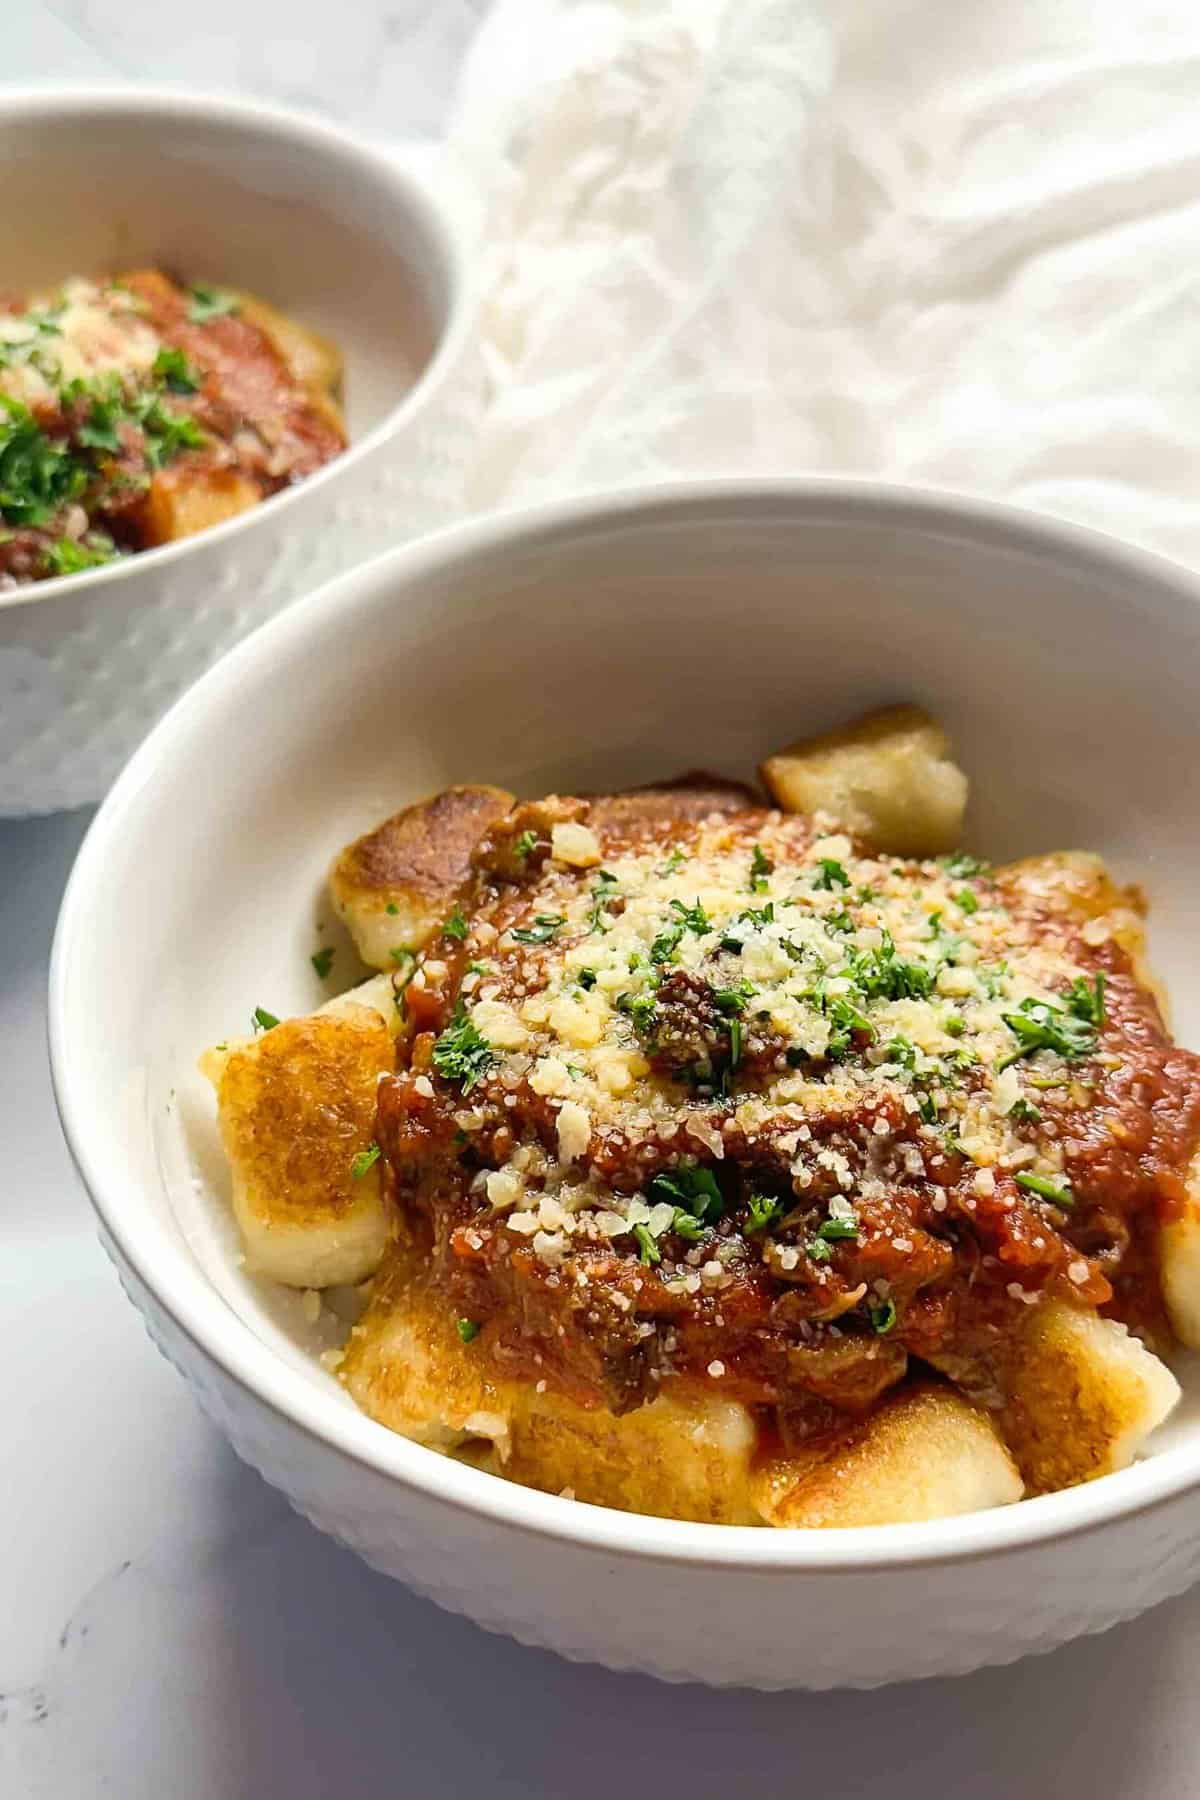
(663, 949)
(525, 845)
(601, 895)
(760, 867)
(401, 954)
(694, 918)
(391, 908)
(263, 1020)
(882, 1317)
(38, 475)
(963, 866)
(694, 1189)
(462, 1053)
(205, 303)
(648, 1250)
(1040, 1025)
(456, 927)
(468, 1329)
(732, 1000)
(676, 859)
(898, 1050)
(67, 556)
(842, 1228)
(832, 874)
(366, 1159)
(1024, 1111)
(541, 931)
(1058, 1192)
(687, 1226)
(1085, 999)
(762, 1214)
(166, 434)
(757, 915)
(735, 1042)
(966, 902)
(175, 371)
(845, 1019)
(882, 975)
(586, 979)
(322, 961)
(641, 1010)
(818, 1251)
(99, 429)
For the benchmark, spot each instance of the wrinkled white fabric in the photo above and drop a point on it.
(940, 240)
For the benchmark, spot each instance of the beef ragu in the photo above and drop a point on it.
(737, 1102)
(139, 410)
(717, 1125)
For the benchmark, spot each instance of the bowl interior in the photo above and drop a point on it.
(595, 646)
(213, 193)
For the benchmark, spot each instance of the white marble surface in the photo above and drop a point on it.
(169, 1629)
(385, 66)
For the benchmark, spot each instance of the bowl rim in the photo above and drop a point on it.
(360, 159)
(225, 1340)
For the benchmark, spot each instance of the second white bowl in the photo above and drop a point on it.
(332, 231)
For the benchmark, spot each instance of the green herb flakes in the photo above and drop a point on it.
(1057, 1192)
(366, 1159)
(761, 1214)
(648, 1250)
(206, 303)
(175, 372)
(462, 1054)
(882, 1317)
(832, 874)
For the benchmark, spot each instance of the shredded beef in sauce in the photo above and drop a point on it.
(724, 1100)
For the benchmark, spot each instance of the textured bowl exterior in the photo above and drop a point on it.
(84, 674)
(724, 1627)
(457, 657)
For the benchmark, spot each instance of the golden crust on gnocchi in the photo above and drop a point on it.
(297, 1115)
(393, 887)
(748, 1166)
(888, 778)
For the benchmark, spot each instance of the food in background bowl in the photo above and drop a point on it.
(732, 1164)
(138, 410)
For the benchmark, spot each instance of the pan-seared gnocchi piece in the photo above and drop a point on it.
(923, 1453)
(888, 778)
(296, 1111)
(1083, 1395)
(182, 501)
(394, 886)
(407, 1366)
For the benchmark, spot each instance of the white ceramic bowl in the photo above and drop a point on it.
(331, 230)
(592, 644)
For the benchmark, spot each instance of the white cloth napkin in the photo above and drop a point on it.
(952, 243)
